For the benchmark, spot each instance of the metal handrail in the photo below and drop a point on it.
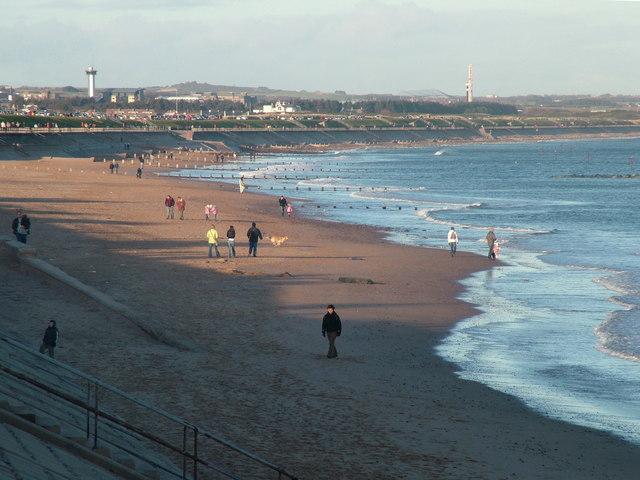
(99, 413)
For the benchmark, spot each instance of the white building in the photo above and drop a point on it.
(280, 107)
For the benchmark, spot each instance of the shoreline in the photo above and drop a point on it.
(388, 406)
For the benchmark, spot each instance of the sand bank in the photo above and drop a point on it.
(254, 368)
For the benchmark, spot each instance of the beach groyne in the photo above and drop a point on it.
(82, 143)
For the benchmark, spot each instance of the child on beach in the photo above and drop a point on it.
(289, 209)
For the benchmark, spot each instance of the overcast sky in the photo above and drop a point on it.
(516, 47)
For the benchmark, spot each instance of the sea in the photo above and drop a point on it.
(559, 321)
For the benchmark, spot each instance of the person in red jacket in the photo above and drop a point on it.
(169, 202)
(181, 206)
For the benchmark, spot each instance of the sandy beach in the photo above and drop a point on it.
(244, 356)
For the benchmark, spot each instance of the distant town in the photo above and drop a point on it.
(202, 102)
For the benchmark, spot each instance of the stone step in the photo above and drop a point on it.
(49, 424)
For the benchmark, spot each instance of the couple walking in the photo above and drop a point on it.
(169, 202)
(213, 236)
(492, 242)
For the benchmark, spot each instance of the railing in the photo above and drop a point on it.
(187, 443)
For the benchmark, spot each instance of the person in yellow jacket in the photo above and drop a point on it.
(212, 237)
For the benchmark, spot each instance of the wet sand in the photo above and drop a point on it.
(253, 364)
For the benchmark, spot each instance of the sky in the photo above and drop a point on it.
(517, 47)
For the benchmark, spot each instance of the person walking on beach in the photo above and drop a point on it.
(241, 184)
(452, 238)
(50, 338)
(253, 234)
(214, 212)
(331, 328)
(169, 202)
(212, 237)
(283, 204)
(21, 226)
(289, 209)
(181, 204)
(491, 239)
(231, 242)
(139, 172)
(207, 211)
(112, 165)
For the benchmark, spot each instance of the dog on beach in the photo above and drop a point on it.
(277, 241)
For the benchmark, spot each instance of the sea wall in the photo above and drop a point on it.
(78, 143)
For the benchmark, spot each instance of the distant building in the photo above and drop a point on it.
(123, 95)
(280, 107)
(37, 94)
(237, 97)
(181, 98)
(132, 113)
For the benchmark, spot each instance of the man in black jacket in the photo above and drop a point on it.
(21, 226)
(50, 338)
(253, 234)
(283, 204)
(331, 328)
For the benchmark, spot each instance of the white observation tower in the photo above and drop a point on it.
(91, 74)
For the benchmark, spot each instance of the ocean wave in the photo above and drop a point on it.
(426, 214)
(622, 282)
(614, 353)
(614, 342)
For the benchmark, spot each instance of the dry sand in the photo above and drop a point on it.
(255, 369)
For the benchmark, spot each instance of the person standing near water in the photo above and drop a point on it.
(452, 238)
(283, 204)
(491, 239)
(241, 184)
(331, 328)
